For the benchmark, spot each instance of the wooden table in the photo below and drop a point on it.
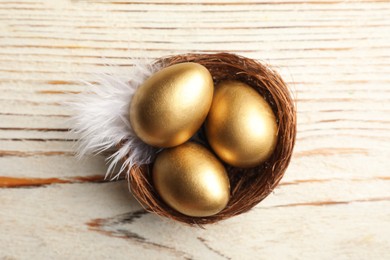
(334, 202)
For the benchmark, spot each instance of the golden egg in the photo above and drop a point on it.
(241, 127)
(170, 106)
(191, 180)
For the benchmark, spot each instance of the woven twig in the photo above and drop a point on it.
(248, 186)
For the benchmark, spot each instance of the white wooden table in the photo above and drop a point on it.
(334, 202)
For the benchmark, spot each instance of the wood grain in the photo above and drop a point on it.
(334, 201)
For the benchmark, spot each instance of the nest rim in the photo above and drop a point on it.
(248, 186)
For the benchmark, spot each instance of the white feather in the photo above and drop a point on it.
(101, 119)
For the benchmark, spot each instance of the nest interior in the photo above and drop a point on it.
(248, 186)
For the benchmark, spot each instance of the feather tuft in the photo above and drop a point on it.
(100, 120)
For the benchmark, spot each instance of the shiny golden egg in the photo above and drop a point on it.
(170, 106)
(241, 127)
(191, 180)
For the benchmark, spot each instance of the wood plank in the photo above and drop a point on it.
(334, 201)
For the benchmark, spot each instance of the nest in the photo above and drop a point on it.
(247, 186)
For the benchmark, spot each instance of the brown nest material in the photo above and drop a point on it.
(248, 186)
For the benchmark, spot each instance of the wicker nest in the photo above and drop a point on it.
(248, 186)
